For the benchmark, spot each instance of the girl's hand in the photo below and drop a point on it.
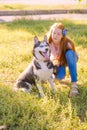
(55, 62)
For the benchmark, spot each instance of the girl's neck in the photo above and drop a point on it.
(56, 44)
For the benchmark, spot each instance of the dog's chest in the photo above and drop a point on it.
(44, 71)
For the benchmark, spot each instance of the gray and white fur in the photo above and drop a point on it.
(40, 69)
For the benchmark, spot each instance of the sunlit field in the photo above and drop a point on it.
(22, 111)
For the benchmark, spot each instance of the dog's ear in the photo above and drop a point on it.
(45, 38)
(35, 39)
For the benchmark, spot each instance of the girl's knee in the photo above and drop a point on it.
(61, 73)
(69, 53)
(71, 56)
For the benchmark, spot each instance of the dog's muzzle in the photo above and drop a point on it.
(45, 55)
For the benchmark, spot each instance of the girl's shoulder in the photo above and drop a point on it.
(69, 45)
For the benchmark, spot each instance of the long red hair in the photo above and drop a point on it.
(63, 43)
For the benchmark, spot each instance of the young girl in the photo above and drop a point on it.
(63, 54)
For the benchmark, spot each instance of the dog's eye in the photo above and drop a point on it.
(41, 46)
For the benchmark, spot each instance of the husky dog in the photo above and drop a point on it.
(39, 70)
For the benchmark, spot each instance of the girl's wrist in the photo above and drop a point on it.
(55, 63)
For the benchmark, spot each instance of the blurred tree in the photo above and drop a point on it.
(84, 1)
(81, 1)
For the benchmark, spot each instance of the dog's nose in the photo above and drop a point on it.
(46, 49)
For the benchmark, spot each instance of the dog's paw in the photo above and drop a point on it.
(25, 90)
(54, 90)
(15, 89)
(42, 95)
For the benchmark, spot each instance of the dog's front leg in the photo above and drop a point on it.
(52, 84)
(40, 89)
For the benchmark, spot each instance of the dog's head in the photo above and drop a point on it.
(41, 50)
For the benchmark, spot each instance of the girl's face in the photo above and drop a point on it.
(56, 35)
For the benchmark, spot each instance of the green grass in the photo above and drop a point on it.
(21, 111)
(43, 7)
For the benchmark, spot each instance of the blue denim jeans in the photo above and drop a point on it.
(71, 59)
